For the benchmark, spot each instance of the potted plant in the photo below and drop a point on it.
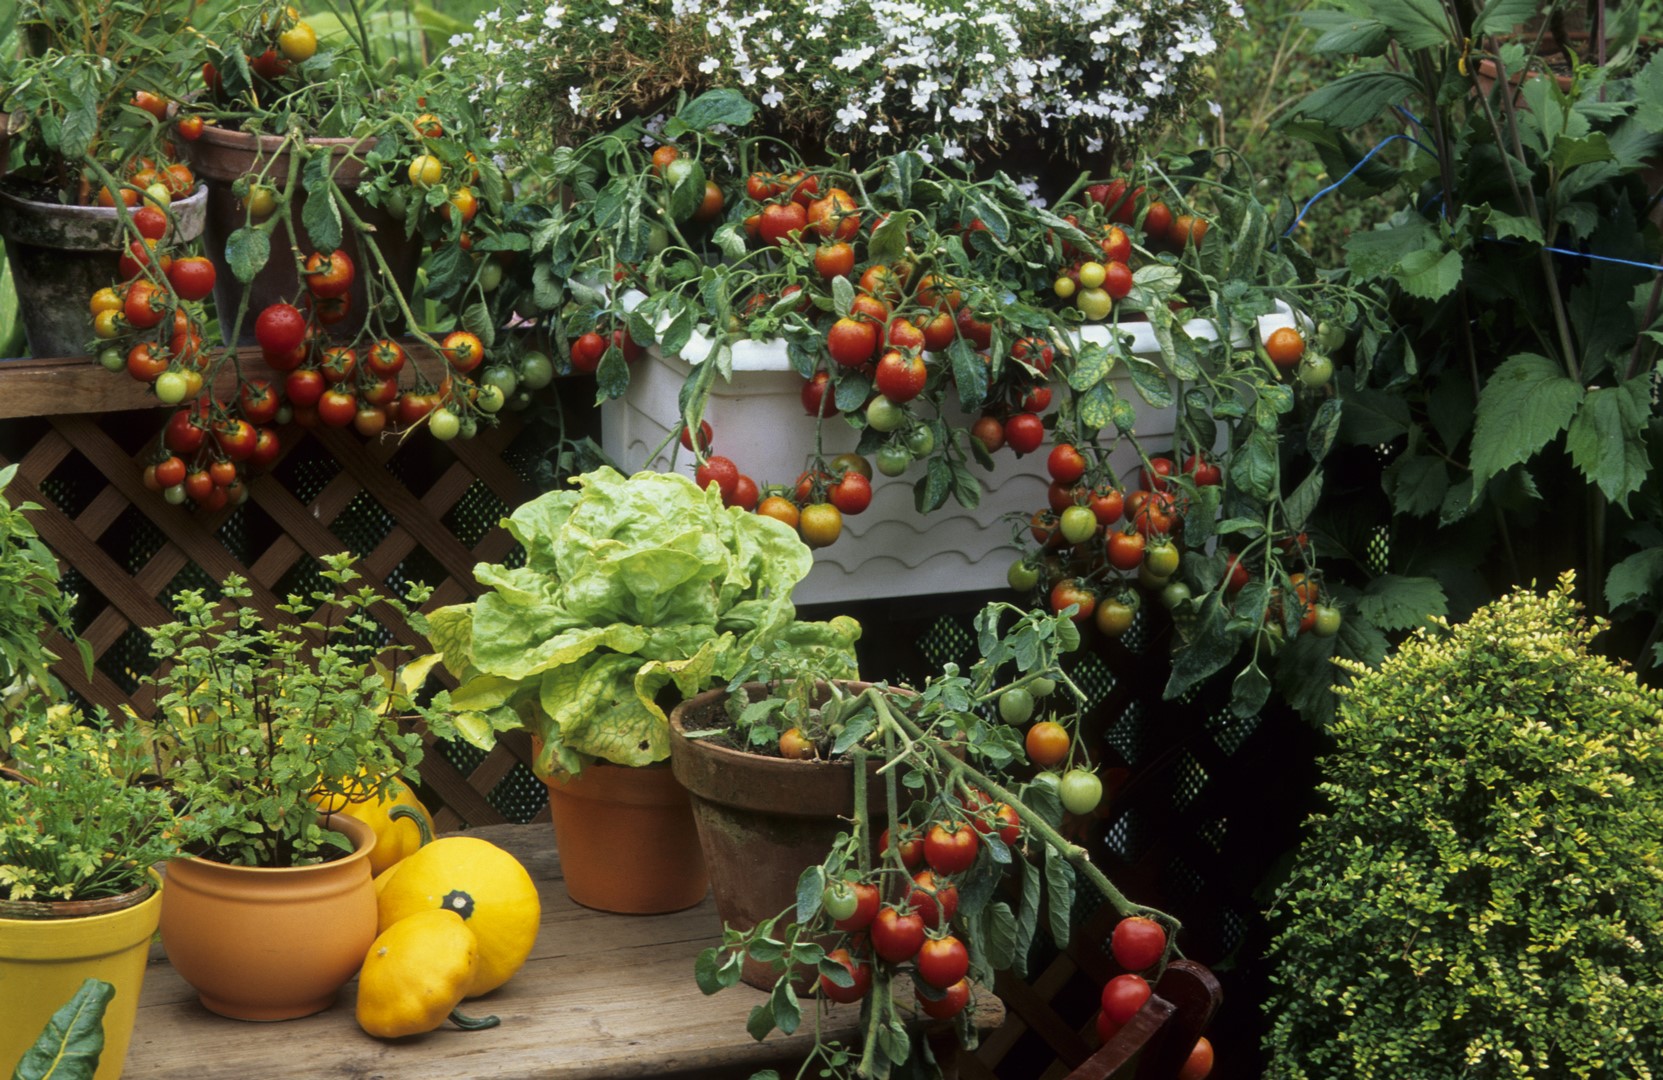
(898, 883)
(273, 908)
(632, 589)
(87, 105)
(80, 829)
(1479, 892)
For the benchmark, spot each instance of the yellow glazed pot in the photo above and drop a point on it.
(44, 961)
(270, 944)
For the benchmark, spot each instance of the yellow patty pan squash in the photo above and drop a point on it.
(416, 974)
(395, 838)
(483, 884)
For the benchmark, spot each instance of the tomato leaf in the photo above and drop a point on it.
(809, 886)
(1214, 644)
(476, 319)
(787, 1012)
(707, 971)
(1249, 691)
(1253, 467)
(998, 937)
(853, 731)
(843, 295)
(931, 490)
(1059, 878)
(1151, 382)
(1393, 602)
(889, 240)
(247, 251)
(688, 192)
(612, 376)
(713, 108)
(1353, 100)
(447, 272)
(853, 388)
(966, 489)
(970, 374)
(1299, 505)
(761, 1020)
(73, 1040)
(320, 216)
(1027, 919)
(1325, 428)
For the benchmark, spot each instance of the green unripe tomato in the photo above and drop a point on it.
(921, 440)
(502, 377)
(1175, 593)
(112, 360)
(1330, 335)
(491, 399)
(1040, 686)
(1016, 705)
(174, 495)
(444, 424)
(1094, 304)
(839, 900)
(1315, 370)
(1081, 791)
(536, 371)
(1327, 622)
(884, 415)
(490, 276)
(1023, 576)
(1078, 524)
(893, 460)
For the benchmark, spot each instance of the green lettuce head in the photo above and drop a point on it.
(629, 584)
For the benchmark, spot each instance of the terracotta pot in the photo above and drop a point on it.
(762, 820)
(222, 157)
(46, 955)
(266, 944)
(626, 840)
(61, 255)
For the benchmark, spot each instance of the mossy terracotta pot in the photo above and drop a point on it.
(762, 819)
(626, 839)
(222, 157)
(61, 255)
(271, 944)
(45, 956)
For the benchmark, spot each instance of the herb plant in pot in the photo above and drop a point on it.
(255, 721)
(631, 588)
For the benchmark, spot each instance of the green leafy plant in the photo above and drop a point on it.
(84, 817)
(629, 585)
(961, 811)
(1509, 362)
(257, 721)
(1480, 896)
(32, 604)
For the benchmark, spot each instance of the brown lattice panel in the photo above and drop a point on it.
(81, 436)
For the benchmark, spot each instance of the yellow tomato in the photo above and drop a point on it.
(107, 324)
(299, 42)
(426, 170)
(106, 299)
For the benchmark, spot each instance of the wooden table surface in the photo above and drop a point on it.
(601, 996)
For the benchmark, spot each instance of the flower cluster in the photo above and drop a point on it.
(862, 76)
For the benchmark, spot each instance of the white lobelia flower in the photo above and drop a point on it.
(709, 64)
(773, 98)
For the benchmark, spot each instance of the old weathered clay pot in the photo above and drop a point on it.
(626, 839)
(762, 820)
(271, 944)
(61, 255)
(222, 157)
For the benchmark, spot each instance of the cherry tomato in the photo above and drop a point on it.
(1081, 791)
(1016, 706)
(820, 524)
(950, 847)
(866, 908)
(1138, 943)
(1024, 432)
(1326, 620)
(953, 1001)
(1285, 346)
(1078, 524)
(1069, 591)
(852, 494)
(1065, 464)
(1125, 550)
(1199, 1064)
(1047, 743)
(1123, 996)
(943, 961)
(861, 973)
(1114, 617)
(1022, 575)
(839, 900)
(687, 441)
(794, 744)
(720, 471)
(896, 937)
(935, 899)
(1160, 557)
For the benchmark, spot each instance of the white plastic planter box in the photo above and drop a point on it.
(890, 550)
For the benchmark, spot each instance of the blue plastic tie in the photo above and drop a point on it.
(1654, 267)
(1341, 181)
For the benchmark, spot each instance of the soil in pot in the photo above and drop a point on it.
(61, 255)
(626, 839)
(270, 944)
(48, 949)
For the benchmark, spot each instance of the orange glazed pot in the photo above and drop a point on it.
(626, 839)
(269, 944)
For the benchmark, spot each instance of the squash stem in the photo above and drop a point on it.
(472, 1023)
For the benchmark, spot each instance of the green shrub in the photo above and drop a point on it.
(1484, 897)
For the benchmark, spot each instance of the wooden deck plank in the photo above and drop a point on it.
(602, 996)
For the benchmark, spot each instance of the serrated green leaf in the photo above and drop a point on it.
(1325, 428)
(787, 1012)
(1353, 100)
(1527, 401)
(1151, 383)
(1416, 483)
(810, 884)
(1304, 500)
(1428, 274)
(688, 192)
(970, 374)
(1635, 578)
(717, 107)
(707, 972)
(1501, 16)
(1392, 602)
(1607, 438)
(930, 493)
(321, 218)
(998, 942)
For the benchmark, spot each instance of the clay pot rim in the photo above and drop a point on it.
(678, 730)
(97, 213)
(234, 139)
(359, 832)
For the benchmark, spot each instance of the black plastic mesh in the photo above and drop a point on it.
(476, 513)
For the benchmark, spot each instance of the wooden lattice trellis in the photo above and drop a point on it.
(68, 424)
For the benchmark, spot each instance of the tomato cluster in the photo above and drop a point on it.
(150, 181)
(1139, 944)
(903, 916)
(273, 47)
